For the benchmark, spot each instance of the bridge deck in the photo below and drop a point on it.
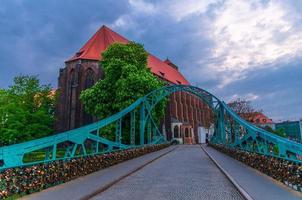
(256, 184)
(183, 173)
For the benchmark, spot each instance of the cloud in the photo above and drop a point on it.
(242, 48)
(142, 6)
(180, 9)
(250, 35)
(247, 96)
(122, 21)
(138, 10)
(277, 90)
(37, 37)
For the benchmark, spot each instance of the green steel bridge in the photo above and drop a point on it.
(230, 131)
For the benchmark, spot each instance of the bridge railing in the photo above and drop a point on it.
(246, 136)
(230, 130)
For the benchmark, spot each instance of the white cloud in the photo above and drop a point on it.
(248, 97)
(142, 7)
(180, 9)
(246, 35)
(251, 96)
(121, 21)
(138, 9)
(249, 35)
(128, 22)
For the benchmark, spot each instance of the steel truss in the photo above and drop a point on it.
(230, 130)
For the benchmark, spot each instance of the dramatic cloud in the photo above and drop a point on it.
(252, 35)
(234, 48)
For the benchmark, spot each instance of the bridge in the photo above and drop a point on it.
(194, 167)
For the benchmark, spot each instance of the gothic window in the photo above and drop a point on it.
(72, 78)
(89, 80)
(72, 99)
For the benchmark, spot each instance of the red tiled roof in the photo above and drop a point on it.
(104, 37)
(260, 118)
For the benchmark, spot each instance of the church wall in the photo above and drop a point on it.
(70, 111)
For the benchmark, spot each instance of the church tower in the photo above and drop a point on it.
(78, 75)
(184, 114)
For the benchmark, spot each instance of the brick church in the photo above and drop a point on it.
(184, 113)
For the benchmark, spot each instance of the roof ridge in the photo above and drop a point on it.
(104, 37)
(98, 32)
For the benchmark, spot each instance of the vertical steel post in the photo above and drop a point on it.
(84, 149)
(237, 130)
(142, 124)
(221, 124)
(47, 154)
(282, 151)
(132, 129)
(54, 152)
(74, 150)
(154, 133)
(149, 130)
(118, 131)
(97, 142)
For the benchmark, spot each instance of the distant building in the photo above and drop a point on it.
(260, 120)
(293, 129)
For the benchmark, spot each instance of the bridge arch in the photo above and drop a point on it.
(230, 131)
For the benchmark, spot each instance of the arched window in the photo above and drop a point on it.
(89, 78)
(176, 132)
(89, 82)
(187, 132)
(72, 78)
(72, 99)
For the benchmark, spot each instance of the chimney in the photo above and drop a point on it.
(167, 61)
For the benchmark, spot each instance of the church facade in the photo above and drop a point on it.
(184, 113)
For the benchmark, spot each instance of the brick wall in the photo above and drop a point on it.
(70, 111)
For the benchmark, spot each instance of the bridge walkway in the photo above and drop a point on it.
(185, 173)
(177, 172)
(258, 185)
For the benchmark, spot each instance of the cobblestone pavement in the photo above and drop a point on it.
(185, 173)
(258, 185)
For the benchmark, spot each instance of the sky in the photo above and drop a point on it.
(232, 48)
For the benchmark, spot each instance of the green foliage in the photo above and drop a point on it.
(127, 78)
(26, 111)
(276, 149)
(280, 131)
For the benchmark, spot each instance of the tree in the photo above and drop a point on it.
(127, 78)
(26, 111)
(243, 108)
(280, 131)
